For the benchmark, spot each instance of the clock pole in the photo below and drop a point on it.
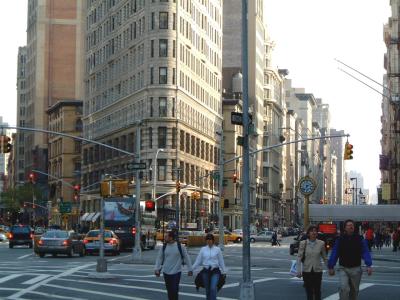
(306, 211)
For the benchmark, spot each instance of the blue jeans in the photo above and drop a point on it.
(210, 280)
(172, 284)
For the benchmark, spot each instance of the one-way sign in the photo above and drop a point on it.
(136, 166)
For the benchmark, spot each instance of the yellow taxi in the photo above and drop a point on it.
(231, 236)
(112, 243)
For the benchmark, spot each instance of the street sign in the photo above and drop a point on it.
(236, 118)
(65, 207)
(136, 166)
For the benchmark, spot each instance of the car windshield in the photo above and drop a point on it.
(20, 229)
(95, 233)
(56, 235)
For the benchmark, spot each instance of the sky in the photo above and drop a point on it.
(309, 35)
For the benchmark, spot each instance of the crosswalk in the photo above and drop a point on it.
(71, 281)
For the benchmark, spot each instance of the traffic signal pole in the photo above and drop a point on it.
(137, 249)
(246, 286)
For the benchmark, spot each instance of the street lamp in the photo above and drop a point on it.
(155, 173)
(155, 186)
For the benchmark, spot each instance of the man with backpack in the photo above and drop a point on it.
(349, 248)
(171, 257)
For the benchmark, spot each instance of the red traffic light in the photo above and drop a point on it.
(77, 187)
(150, 205)
(234, 178)
(31, 177)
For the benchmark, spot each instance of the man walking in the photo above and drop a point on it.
(170, 259)
(349, 248)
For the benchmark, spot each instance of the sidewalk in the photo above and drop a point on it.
(386, 254)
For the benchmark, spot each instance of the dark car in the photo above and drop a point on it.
(328, 238)
(60, 242)
(20, 235)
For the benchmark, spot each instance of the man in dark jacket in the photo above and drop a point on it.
(349, 249)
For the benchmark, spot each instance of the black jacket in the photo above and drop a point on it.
(198, 281)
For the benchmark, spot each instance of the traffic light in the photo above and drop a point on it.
(234, 178)
(31, 177)
(77, 189)
(5, 145)
(149, 205)
(196, 195)
(178, 186)
(348, 151)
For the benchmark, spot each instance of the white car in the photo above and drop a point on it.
(3, 237)
(263, 236)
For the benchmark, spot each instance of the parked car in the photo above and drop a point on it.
(60, 242)
(262, 236)
(20, 235)
(328, 238)
(112, 243)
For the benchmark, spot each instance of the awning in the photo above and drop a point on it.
(89, 217)
(95, 217)
(83, 218)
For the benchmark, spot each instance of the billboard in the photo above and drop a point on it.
(119, 209)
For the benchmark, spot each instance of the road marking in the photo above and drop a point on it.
(94, 292)
(52, 296)
(9, 277)
(36, 279)
(336, 296)
(35, 286)
(235, 284)
(158, 282)
(23, 256)
(131, 287)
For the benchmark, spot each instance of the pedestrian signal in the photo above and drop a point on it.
(178, 186)
(348, 151)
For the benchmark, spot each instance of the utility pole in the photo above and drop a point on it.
(178, 170)
(101, 261)
(137, 250)
(246, 286)
(221, 194)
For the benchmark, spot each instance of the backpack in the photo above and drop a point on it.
(180, 251)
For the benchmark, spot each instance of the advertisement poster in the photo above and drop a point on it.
(119, 209)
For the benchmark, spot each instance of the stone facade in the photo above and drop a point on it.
(156, 65)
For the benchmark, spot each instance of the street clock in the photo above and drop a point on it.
(307, 185)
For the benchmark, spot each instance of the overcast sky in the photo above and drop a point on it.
(309, 34)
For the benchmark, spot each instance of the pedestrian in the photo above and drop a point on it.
(349, 248)
(310, 253)
(211, 259)
(396, 239)
(169, 261)
(274, 239)
(369, 236)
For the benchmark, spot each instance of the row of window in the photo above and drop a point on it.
(188, 174)
(166, 139)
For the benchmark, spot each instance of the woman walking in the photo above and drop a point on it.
(210, 258)
(310, 253)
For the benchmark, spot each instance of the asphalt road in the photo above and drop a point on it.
(24, 275)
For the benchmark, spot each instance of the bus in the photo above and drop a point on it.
(119, 216)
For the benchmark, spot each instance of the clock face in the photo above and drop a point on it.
(307, 186)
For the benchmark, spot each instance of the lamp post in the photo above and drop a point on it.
(155, 184)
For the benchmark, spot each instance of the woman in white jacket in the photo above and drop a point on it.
(210, 258)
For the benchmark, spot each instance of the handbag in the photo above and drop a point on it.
(303, 258)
